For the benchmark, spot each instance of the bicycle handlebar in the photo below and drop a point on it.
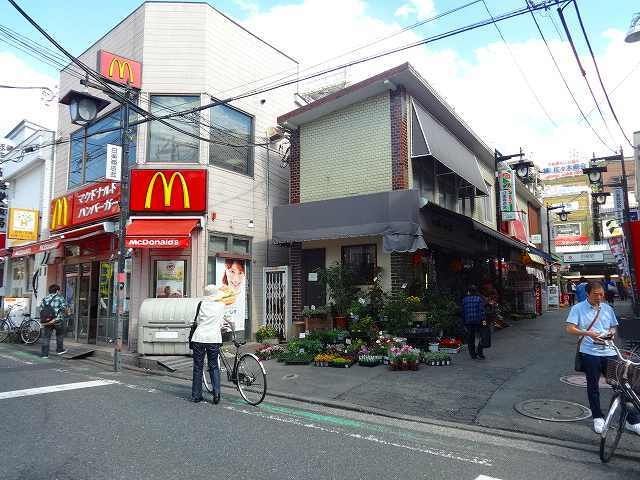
(610, 343)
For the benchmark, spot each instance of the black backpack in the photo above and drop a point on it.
(47, 312)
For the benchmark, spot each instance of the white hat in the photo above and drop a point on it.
(211, 291)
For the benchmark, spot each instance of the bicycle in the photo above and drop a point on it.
(624, 376)
(28, 330)
(248, 374)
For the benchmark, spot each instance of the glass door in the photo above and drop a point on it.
(84, 301)
(70, 294)
(106, 319)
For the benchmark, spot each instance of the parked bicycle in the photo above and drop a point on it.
(247, 374)
(623, 374)
(28, 330)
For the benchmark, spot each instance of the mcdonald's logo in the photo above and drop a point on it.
(123, 67)
(167, 190)
(59, 213)
(163, 191)
(120, 69)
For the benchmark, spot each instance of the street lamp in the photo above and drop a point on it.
(600, 197)
(594, 174)
(83, 108)
(522, 169)
(633, 34)
(563, 216)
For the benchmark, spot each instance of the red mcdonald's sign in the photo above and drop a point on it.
(94, 202)
(120, 69)
(168, 191)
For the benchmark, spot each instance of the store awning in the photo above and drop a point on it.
(84, 232)
(5, 252)
(392, 215)
(33, 248)
(430, 137)
(545, 256)
(160, 233)
(501, 237)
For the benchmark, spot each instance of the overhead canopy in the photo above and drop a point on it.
(33, 248)
(393, 215)
(160, 233)
(430, 137)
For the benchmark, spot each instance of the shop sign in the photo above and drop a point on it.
(34, 248)
(507, 183)
(554, 295)
(168, 191)
(114, 162)
(23, 224)
(583, 257)
(170, 278)
(231, 279)
(120, 69)
(618, 204)
(94, 202)
(181, 242)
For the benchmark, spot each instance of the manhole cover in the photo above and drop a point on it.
(291, 376)
(552, 410)
(578, 380)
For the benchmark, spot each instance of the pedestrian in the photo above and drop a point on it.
(610, 290)
(622, 292)
(571, 292)
(207, 338)
(581, 292)
(53, 309)
(473, 315)
(592, 320)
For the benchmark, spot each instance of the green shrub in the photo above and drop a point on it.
(266, 331)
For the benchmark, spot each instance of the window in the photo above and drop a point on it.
(240, 246)
(447, 188)
(231, 132)
(88, 152)
(220, 243)
(424, 176)
(362, 261)
(167, 144)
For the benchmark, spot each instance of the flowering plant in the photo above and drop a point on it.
(265, 352)
(414, 303)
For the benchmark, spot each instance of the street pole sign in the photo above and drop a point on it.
(507, 183)
(114, 162)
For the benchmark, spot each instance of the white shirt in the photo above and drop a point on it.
(210, 321)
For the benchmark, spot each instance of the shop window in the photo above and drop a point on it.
(240, 245)
(88, 150)
(167, 144)
(231, 136)
(362, 261)
(217, 244)
(219, 247)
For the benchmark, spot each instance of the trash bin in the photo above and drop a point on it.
(164, 325)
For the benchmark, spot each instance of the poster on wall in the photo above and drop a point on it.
(231, 279)
(170, 279)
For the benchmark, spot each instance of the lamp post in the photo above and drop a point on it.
(563, 216)
(84, 109)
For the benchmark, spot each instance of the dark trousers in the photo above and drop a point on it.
(595, 366)
(46, 338)
(473, 331)
(212, 350)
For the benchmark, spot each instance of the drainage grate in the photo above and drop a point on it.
(579, 380)
(552, 410)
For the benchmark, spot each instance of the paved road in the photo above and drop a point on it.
(76, 420)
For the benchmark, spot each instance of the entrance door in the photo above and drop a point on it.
(106, 311)
(71, 273)
(313, 293)
(84, 301)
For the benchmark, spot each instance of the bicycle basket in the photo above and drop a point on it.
(615, 370)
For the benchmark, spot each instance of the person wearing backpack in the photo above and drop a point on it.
(53, 308)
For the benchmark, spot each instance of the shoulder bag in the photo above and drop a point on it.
(577, 364)
(194, 325)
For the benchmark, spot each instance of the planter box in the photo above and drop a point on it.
(450, 350)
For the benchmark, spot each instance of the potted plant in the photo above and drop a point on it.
(342, 291)
(442, 313)
(268, 335)
(417, 308)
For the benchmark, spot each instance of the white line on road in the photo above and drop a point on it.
(54, 388)
(369, 438)
(15, 359)
(484, 477)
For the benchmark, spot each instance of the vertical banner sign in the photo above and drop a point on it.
(114, 162)
(618, 204)
(507, 184)
(231, 279)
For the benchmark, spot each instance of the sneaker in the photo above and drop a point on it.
(62, 352)
(44, 356)
(598, 425)
(481, 356)
(633, 427)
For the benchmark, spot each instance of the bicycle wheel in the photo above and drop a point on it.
(613, 427)
(30, 331)
(5, 330)
(252, 379)
(206, 381)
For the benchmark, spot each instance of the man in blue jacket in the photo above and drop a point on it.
(473, 314)
(581, 290)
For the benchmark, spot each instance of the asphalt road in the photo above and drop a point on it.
(96, 424)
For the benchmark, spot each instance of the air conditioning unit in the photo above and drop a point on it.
(274, 134)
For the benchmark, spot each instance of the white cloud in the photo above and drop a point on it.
(487, 91)
(422, 9)
(18, 105)
(251, 8)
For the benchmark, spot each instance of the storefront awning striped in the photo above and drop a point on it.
(160, 233)
(34, 248)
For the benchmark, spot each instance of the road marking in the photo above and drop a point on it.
(54, 388)
(15, 359)
(367, 437)
(484, 477)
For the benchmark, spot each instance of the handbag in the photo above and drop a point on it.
(194, 325)
(577, 363)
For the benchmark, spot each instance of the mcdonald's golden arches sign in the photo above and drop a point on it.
(120, 69)
(168, 191)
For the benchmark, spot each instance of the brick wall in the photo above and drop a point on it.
(399, 141)
(294, 167)
(295, 262)
(401, 269)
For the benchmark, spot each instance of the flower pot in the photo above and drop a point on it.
(433, 347)
(341, 322)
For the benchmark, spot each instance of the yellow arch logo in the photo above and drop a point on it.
(122, 65)
(167, 189)
(59, 213)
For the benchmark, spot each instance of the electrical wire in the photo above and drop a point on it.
(595, 64)
(517, 64)
(553, 58)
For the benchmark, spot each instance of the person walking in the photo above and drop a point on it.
(207, 339)
(571, 292)
(53, 309)
(610, 290)
(581, 292)
(473, 313)
(592, 320)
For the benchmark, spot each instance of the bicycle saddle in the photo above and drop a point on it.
(237, 343)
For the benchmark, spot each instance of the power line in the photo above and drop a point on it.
(515, 61)
(563, 78)
(595, 64)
